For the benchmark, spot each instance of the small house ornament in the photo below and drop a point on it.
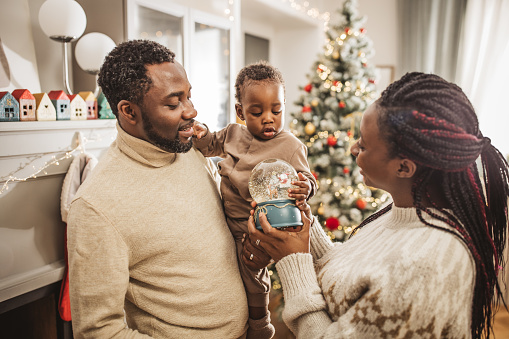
(91, 102)
(78, 107)
(9, 107)
(44, 109)
(26, 104)
(61, 102)
(105, 111)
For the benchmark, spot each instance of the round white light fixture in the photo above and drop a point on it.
(91, 50)
(62, 20)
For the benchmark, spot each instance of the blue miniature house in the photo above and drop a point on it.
(62, 104)
(105, 111)
(9, 107)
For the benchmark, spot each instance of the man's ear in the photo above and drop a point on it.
(128, 112)
(238, 110)
(407, 168)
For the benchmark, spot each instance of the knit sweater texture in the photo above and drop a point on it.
(396, 278)
(147, 234)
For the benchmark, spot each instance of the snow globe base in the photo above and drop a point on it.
(280, 213)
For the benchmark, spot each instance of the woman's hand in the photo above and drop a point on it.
(276, 243)
(253, 255)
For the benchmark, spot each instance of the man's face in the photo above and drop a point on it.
(167, 110)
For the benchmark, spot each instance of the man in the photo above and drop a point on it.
(150, 254)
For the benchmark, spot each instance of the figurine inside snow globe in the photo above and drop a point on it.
(268, 185)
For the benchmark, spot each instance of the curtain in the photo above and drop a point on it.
(430, 34)
(483, 66)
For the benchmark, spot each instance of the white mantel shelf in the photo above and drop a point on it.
(14, 126)
(25, 282)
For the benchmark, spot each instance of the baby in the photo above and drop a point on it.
(260, 94)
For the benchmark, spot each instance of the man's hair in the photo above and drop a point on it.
(430, 121)
(258, 71)
(123, 75)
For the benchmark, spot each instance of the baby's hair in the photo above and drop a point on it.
(431, 122)
(123, 75)
(259, 71)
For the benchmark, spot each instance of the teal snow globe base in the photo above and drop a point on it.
(268, 185)
(280, 213)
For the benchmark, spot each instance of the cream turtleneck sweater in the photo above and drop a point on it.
(396, 278)
(146, 233)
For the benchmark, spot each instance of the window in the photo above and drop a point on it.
(201, 42)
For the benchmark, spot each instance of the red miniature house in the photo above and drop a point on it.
(91, 101)
(26, 104)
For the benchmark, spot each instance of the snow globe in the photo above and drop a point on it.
(268, 185)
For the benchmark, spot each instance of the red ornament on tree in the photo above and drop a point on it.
(335, 83)
(315, 174)
(349, 133)
(346, 170)
(372, 81)
(308, 88)
(332, 223)
(306, 109)
(332, 141)
(361, 204)
(347, 30)
(363, 30)
(342, 104)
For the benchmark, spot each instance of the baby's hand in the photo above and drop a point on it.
(301, 194)
(200, 130)
(303, 190)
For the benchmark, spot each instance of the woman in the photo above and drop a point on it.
(425, 266)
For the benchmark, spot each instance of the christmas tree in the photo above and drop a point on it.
(341, 86)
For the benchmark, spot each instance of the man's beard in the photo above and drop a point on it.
(169, 145)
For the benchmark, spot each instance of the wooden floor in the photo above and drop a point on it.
(501, 325)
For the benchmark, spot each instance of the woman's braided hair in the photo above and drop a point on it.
(431, 122)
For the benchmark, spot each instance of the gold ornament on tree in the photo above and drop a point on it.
(310, 128)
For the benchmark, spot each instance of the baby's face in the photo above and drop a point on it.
(262, 108)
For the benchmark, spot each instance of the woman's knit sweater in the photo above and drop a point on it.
(396, 278)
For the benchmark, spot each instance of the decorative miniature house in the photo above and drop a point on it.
(105, 111)
(61, 102)
(78, 107)
(44, 109)
(91, 102)
(9, 107)
(26, 104)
